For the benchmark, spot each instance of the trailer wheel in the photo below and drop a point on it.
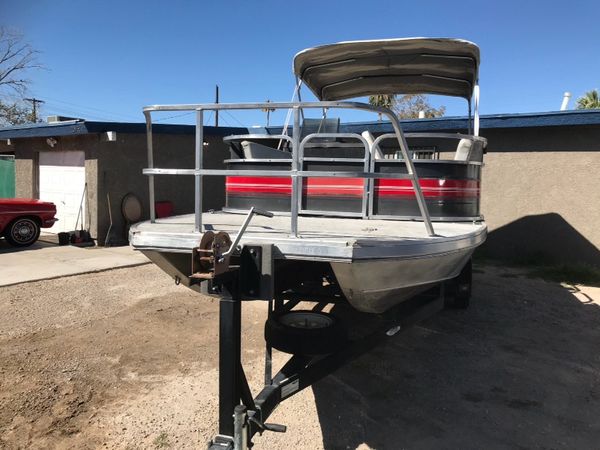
(305, 333)
(458, 290)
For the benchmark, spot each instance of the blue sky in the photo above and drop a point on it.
(108, 59)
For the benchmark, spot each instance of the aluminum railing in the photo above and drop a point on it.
(296, 173)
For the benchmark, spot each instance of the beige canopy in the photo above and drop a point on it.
(391, 66)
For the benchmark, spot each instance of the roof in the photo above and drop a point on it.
(491, 121)
(78, 127)
(391, 66)
(521, 120)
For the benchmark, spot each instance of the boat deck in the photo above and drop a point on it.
(320, 238)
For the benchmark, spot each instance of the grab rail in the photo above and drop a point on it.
(296, 172)
(365, 160)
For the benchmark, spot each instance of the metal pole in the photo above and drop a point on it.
(230, 319)
(295, 169)
(476, 123)
(217, 101)
(148, 116)
(198, 178)
(470, 120)
(240, 440)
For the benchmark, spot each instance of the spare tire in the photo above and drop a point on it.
(305, 332)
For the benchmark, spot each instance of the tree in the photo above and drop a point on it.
(382, 100)
(410, 105)
(407, 106)
(15, 114)
(16, 58)
(589, 101)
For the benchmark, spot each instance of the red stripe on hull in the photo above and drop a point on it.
(354, 187)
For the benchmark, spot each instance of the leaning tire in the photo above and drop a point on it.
(458, 290)
(22, 232)
(305, 333)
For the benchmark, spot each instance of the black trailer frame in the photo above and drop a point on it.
(250, 277)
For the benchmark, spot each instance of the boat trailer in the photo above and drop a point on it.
(237, 274)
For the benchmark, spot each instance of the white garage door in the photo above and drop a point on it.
(62, 181)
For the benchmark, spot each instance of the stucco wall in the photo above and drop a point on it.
(120, 172)
(541, 194)
(115, 167)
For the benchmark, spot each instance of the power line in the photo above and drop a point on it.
(62, 110)
(226, 121)
(173, 117)
(82, 107)
(82, 111)
(233, 117)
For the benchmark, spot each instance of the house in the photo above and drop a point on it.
(88, 167)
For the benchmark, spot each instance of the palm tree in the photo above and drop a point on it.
(589, 101)
(384, 100)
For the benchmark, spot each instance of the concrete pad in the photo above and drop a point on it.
(44, 260)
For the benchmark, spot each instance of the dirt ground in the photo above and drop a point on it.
(124, 359)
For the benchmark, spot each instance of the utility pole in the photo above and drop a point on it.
(216, 101)
(34, 103)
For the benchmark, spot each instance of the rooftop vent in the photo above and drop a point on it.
(55, 119)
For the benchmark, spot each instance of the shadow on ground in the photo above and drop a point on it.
(5, 247)
(519, 369)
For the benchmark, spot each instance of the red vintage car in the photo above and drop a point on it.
(22, 218)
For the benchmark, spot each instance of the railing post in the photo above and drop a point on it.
(410, 167)
(197, 177)
(148, 116)
(295, 169)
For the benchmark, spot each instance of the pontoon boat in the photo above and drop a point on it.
(316, 214)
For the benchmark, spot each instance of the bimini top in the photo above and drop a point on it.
(391, 66)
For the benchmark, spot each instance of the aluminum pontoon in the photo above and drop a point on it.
(326, 216)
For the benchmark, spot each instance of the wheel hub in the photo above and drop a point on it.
(24, 231)
(306, 320)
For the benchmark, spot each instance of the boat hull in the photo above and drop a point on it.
(375, 286)
(377, 264)
(372, 286)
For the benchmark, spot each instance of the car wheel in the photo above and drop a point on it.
(305, 333)
(22, 232)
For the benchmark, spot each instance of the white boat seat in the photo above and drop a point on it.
(375, 151)
(463, 150)
(468, 150)
(253, 150)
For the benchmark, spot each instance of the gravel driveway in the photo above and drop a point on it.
(124, 359)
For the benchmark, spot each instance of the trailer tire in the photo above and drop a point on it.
(457, 292)
(305, 332)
